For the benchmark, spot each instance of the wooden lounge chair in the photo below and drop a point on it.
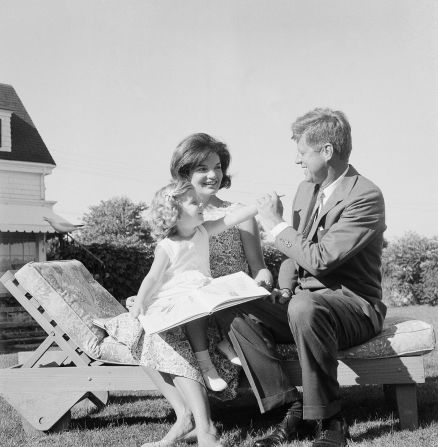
(68, 365)
(63, 298)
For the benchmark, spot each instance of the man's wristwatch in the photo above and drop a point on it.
(286, 293)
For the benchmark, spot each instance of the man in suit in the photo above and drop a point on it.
(329, 291)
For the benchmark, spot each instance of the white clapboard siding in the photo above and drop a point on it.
(21, 185)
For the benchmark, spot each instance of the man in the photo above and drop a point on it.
(331, 277)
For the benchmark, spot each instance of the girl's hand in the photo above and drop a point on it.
(264, 279)
(135, 311)
(130, 301)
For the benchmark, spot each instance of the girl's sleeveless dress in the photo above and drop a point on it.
(170, 352)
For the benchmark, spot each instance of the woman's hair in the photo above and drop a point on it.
(194, 150)
(321, 126)
(165, 209)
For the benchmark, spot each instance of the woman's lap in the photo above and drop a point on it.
(171, 353)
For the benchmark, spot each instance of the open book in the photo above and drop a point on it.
(220, 293)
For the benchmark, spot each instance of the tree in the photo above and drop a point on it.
(116, 221)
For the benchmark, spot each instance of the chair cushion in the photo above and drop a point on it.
(123, 328)
(112, 351)
(399, 337)
(72, 298)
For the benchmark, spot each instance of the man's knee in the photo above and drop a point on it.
(302, 307)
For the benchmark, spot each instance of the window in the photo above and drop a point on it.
(17, 249)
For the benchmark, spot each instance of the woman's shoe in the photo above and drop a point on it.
(225, 347)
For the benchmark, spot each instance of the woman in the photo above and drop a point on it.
(204, 162)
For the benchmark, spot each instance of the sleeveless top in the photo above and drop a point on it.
(189, 264)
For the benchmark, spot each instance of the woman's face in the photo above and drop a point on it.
(206, 178)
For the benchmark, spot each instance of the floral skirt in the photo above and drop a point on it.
(170, 352)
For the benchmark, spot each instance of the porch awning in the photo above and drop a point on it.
(28, 217)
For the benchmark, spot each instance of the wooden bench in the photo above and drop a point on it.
(63, 298)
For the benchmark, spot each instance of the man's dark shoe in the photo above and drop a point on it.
(291, 427)
(332, 432)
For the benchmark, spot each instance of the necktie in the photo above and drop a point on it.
(315, 212)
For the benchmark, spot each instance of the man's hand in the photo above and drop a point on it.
(270, 211)
(280, 296)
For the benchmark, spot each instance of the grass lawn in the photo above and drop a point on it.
(133, 418)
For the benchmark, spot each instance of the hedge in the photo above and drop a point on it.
(410, 271)
(122, 268)
(409, 264)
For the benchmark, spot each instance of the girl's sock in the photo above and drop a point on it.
(209, 373)
(227, 349)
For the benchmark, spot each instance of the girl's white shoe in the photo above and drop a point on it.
(212, 380)
(225, 347)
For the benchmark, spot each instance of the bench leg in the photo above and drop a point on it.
(406, 396)
(390, 396)
(43, 410)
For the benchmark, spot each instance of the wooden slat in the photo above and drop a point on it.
(372, 371)
(73, 379)
(40, 351)
(32, 306)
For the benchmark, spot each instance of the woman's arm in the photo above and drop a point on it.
(250, 236)
(234, 218)
(150, 283)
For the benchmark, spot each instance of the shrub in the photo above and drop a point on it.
(273, 259)
(116, 221)
(410, 271)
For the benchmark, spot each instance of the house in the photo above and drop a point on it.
(24, 163)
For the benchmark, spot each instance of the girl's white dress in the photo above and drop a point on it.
(170, 352)
(188, 269)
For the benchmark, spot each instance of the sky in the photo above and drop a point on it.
(113, 86)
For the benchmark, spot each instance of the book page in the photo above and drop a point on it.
(167, 313)
(186, 305)
(228, 290)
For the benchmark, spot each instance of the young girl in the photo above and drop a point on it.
(181, 261)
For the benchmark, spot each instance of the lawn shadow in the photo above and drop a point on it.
(129, 398)
(106, 421)
(362, 405)
(125, 410)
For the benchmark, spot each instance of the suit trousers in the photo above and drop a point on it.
(319, 323)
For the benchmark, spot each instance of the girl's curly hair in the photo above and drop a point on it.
(165, 209)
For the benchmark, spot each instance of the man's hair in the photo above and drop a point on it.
(194, 150)
(165, 209)
(323, 126)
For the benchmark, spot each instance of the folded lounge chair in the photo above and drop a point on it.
(64, 298)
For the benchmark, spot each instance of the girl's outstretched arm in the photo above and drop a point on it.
(150, 283)
(250, 236)
(235, 217)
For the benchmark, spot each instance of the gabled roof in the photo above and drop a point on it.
(27, 144)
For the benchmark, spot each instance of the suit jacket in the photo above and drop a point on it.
(344, 246)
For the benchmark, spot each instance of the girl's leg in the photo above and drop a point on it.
(184, 424)
(196, 333)
(196, 398)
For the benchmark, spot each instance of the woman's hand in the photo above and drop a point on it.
(264, 279)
